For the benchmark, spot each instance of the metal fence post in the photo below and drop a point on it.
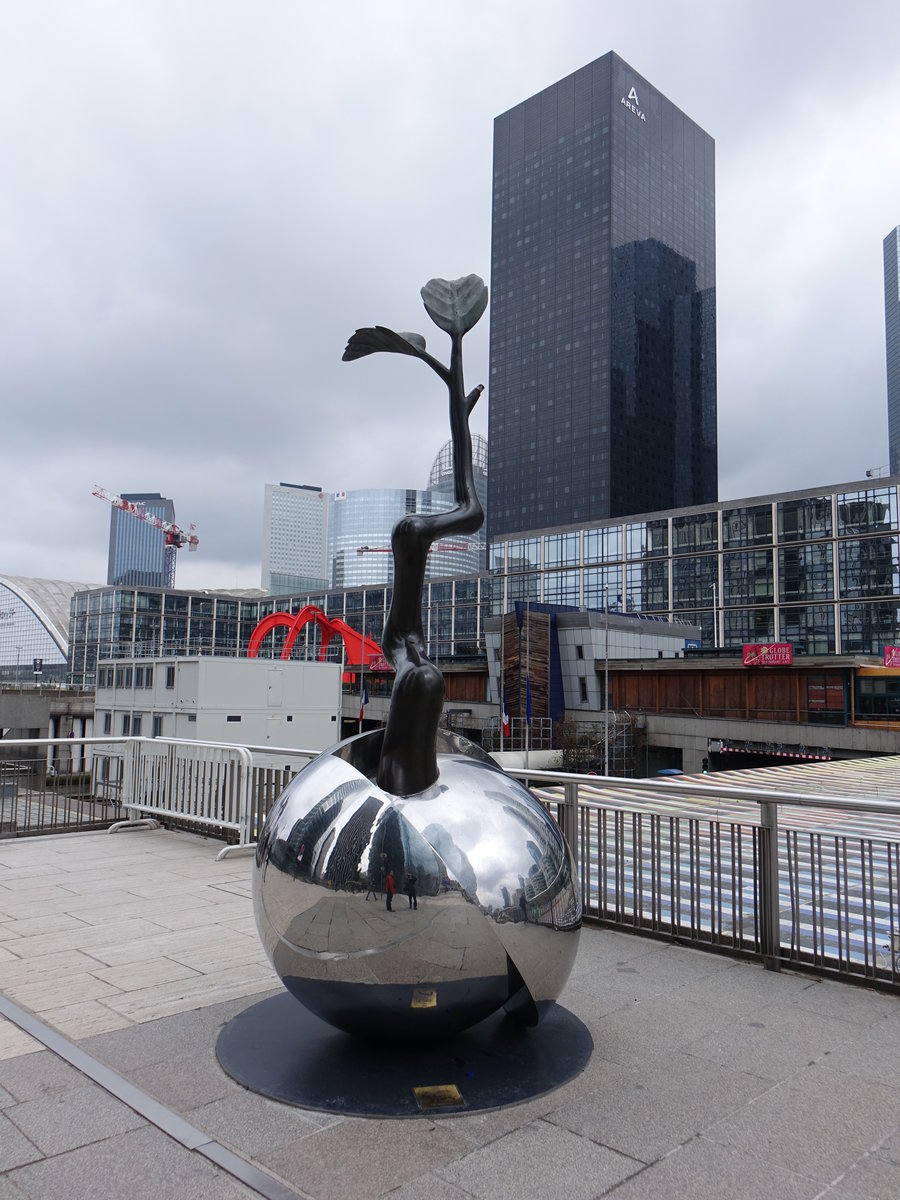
(769, 907)
(129, 778)
(570, 818)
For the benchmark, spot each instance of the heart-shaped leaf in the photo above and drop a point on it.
(371, 341)
(455, 305)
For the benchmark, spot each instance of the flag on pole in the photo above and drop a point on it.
(505, 718)
(363, 701)
(527, 700)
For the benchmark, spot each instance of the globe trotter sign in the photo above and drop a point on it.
(768, 654)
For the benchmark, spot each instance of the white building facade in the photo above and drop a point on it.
(243, 701)
(295, 538)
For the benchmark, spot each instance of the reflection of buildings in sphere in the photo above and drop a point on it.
(455, 859)
(480, 847)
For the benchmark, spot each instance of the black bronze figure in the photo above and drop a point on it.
(408, 762)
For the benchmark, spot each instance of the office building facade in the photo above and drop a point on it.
(603, 351)
(138, 554)
(360, 524)
(892, 343)
(359, 536)
(295, 538)
(818, 568)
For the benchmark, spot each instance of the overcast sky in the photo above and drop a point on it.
(200, 200)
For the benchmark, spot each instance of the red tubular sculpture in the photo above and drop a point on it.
(361, 649)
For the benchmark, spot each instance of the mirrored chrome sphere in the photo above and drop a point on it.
(487, 908)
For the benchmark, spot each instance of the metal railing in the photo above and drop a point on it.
(47, 786)
(219, 789)
(806, 880)
(803, 880)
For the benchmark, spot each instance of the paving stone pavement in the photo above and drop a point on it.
(710, 1077)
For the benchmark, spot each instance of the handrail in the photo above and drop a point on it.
(666, 787)
(676, 852)
(667, 857)
(169, 788)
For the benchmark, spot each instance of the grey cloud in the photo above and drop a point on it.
(202, 202)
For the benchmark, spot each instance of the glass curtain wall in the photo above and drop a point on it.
(819, 571)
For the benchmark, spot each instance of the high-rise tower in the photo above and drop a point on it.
(138, 554)
(603, 347)
(295, 533)
(892, 341)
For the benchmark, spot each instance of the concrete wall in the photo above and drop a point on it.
(693, 734)
(24, 714)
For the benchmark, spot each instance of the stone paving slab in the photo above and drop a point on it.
(64, 1136)
(710, 1076)
(142, 1165)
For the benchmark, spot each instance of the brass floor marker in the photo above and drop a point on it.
(442, 1095)
(423, 998)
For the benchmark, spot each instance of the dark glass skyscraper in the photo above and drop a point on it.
(138, 554)
(892, 341)
(603, 345)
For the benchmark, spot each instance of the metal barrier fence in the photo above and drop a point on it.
(218, 789)
(38, 797)
(795, 879)
(801, 880)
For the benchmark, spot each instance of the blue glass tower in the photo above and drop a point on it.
(138, 554)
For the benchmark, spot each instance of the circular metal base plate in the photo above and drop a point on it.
(279, 1049)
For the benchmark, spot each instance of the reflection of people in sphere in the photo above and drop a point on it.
(411, 890)
(389, 888)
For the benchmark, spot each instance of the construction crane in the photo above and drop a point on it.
(173, 536)
(438, 547)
